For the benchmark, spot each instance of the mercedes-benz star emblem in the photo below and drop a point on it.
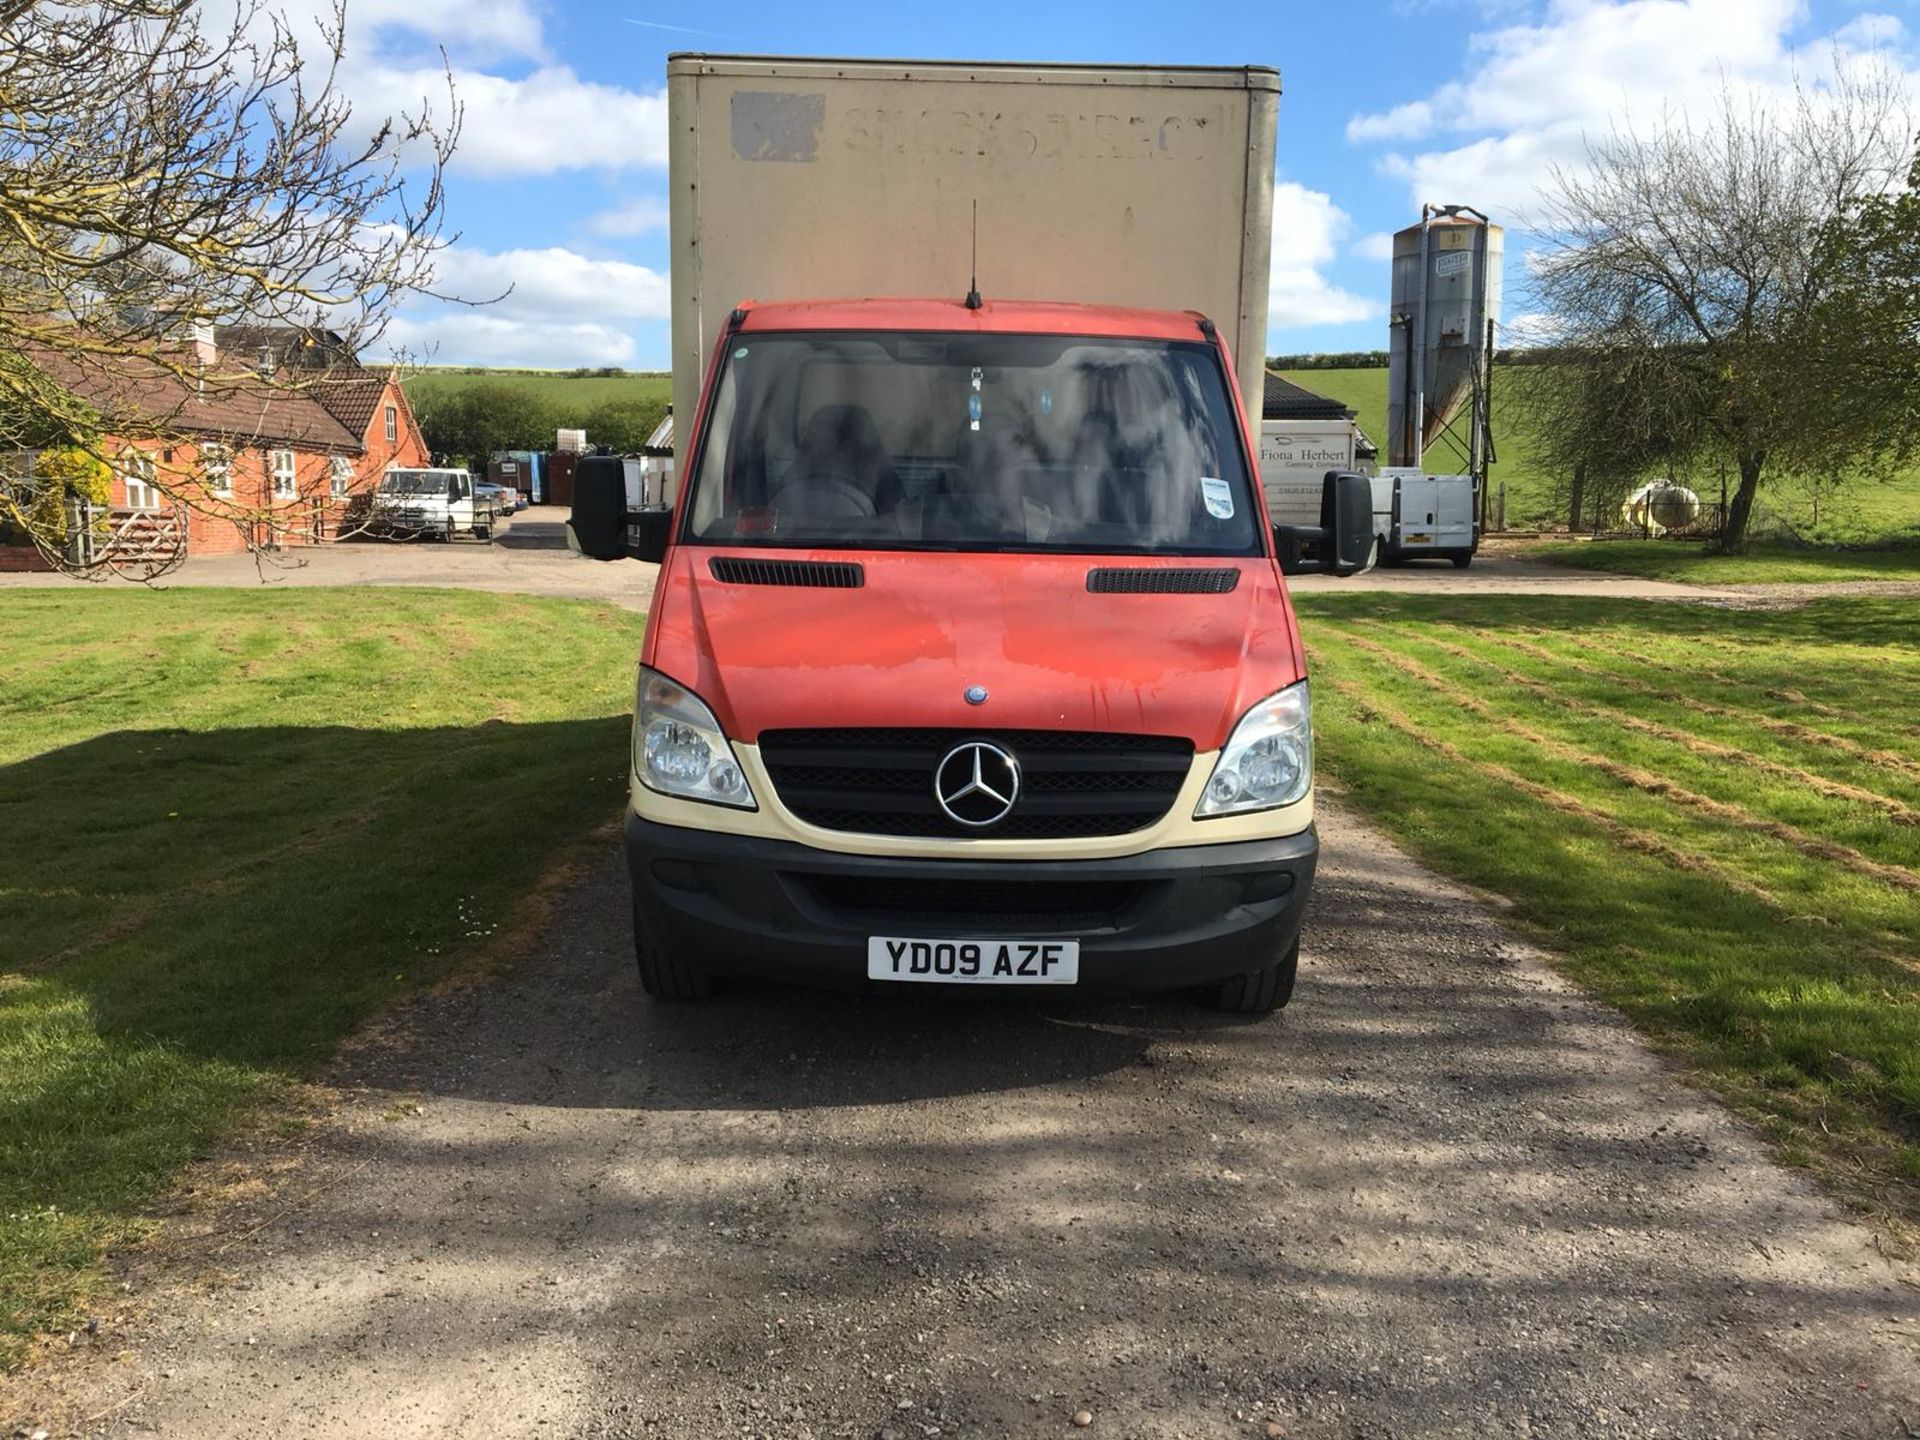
(976, 694)
(977, 783)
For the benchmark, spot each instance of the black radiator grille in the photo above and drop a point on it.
(1072, 783)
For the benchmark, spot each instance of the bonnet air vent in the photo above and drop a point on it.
(816, 574)
(1117, 580)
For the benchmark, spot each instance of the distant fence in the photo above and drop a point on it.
(1705, 525)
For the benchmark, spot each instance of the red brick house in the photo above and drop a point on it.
(276, 438)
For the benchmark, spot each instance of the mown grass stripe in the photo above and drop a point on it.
(1646, 781)
(1630, 837)
(1897, 810)
(1787, 696)
(1594, 685)
(1789, 728)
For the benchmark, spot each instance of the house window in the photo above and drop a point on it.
(340, 476)
(393, 424)
(142, 492)
(284, 487)
(216, 468)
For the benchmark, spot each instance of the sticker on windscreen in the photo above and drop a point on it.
(1219, 497)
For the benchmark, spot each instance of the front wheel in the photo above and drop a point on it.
(1260, 992)
(663, 976)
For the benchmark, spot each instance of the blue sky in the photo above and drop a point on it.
(559, 188)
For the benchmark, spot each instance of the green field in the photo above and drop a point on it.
(1872, 511)
(235, 823)
(581, 392)
(1713, 815)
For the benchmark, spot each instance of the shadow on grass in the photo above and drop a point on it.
(188, 918)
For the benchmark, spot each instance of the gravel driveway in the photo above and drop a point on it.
(1443, 1195)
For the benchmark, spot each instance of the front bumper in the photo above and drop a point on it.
(745, 906)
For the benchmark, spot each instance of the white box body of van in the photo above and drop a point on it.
(845, 179)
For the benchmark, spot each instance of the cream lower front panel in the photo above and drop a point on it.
(773, 821)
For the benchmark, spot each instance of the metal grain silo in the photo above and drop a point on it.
(1446, 290)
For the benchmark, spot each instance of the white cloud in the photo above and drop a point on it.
(644, 215)
(1376, 246)
(1307, 230)
(544, 307)
(1870, 32)
(464, 27)
(1534, 94)
(523, 112)
(479, 338)
(1410, 121)
(551, 120)
(1531, 327)
(553, 281)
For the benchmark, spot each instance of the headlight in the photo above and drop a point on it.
(678, 748)
(1269, 760)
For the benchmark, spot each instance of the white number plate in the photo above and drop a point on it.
(974, 962)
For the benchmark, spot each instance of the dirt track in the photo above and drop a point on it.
(1442, 1195)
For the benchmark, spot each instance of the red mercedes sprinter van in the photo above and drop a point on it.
(970, 661)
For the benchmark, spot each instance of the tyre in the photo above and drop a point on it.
(1460, 562)
(1261, 992)
(662, 976)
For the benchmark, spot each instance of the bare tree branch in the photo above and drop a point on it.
(160, 167)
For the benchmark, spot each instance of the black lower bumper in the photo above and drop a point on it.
(741, 906)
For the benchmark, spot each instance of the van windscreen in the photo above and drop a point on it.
(414, 482)
(973, 442)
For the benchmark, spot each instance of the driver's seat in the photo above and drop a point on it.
(842, 469)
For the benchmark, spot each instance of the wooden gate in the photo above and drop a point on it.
(133, 544)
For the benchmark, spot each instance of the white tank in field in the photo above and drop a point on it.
(1661, 506)
(1446, 287)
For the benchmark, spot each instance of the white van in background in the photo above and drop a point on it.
(1420, 516)
(429, 504)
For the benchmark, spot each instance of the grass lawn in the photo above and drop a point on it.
(579, 392)
(1692, 564)
(235, 823)
(1715, 815)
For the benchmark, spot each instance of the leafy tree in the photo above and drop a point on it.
(468, 423)
(57, 476)
(1600, 424)
(623, 424)
(1710, 266)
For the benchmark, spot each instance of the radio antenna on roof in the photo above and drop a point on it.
(973, 277)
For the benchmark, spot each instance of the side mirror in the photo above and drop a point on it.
(597, 527)
(602, 527)
(647, 534)
(1342, 542)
